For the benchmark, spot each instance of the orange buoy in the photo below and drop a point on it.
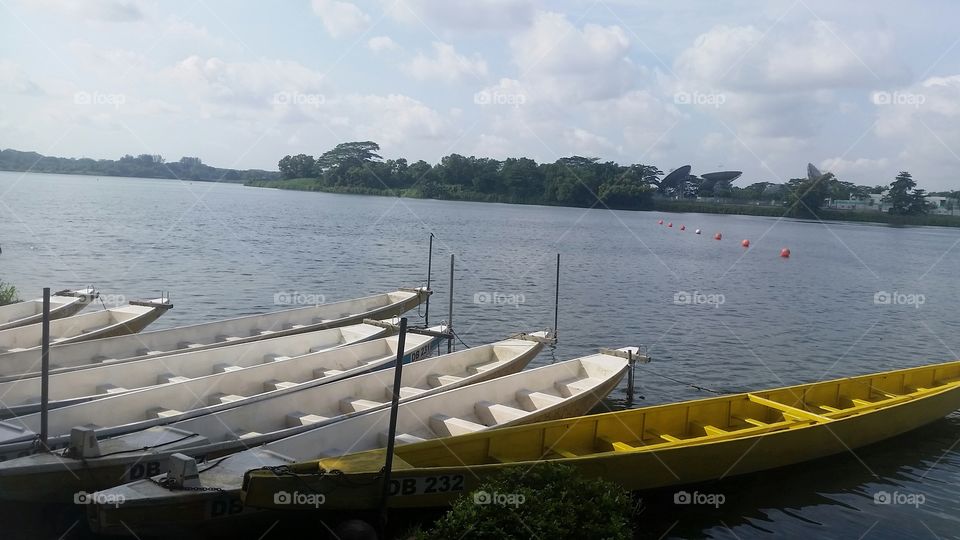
(670, 224)
(745, 243)
(697, 231)
(785, 253)
(683, 227)
(718, 236)
(660, 222)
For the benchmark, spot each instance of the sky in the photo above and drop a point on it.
(863, 89)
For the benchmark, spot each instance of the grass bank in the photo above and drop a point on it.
(662, 205)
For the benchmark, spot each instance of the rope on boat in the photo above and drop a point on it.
(167, 483)
(454, 332)
(678, 381)
(142, 449)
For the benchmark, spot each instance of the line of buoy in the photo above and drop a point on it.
(785, 252)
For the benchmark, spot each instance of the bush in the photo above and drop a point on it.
(549, 501)
(8, 294)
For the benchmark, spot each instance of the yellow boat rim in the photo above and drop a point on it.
(644, 448)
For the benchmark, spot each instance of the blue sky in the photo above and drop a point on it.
(863, 89)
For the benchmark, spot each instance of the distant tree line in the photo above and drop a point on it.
(357, 167)
(142, 166)
(570, 181)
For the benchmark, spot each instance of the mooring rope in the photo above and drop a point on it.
(678, 381)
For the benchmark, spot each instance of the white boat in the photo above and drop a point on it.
(19, 397)
(230, 387)
(55, 477)
(159, 504)
(118, 321)
(62, 304)
(213, 334)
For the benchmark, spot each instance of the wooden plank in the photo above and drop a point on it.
(788, 410)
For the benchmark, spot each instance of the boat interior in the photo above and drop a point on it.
(692, 422)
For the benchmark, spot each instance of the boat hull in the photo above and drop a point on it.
(654, 469)
(70, 303)
(65, 357)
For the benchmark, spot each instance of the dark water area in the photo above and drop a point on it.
(853, 298)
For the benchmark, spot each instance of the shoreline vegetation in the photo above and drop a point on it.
(661, 205)
(586, 182)
(355, 168)
(142, 166)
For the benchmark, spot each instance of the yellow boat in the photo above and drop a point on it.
(646, 448)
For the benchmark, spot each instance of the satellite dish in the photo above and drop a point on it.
(678, 175)
(721, 176)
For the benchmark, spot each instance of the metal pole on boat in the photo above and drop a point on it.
(392, 432)
(44, 367)
(450, 310)
(426, 312)
(556, 303)
(630, 371)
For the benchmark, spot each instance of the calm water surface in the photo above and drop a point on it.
(226, 250)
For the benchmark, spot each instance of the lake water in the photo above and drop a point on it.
(755, 320)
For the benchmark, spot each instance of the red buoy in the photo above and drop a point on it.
(785, 253)
(683, 227)
(670, 224)
(660, 222)
(718, 236)
(745, 243)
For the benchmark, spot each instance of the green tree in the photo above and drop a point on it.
(903, 197)
(298, 166)
(335, 163)
(805, 196)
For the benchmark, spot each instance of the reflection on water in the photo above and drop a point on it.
(226, 250)
(831, 497)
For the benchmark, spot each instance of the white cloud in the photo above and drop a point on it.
(381, 43)
(393, 120)
(862, 170)
(468, 15)
(446, 65)
(566, 64)
(340, 18)
(98, 10)
(221, 84)
(921, 123)
(13, 80)
(818, 55)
